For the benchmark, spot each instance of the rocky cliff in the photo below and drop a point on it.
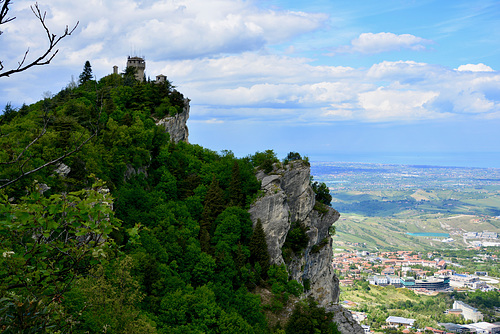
(176, 125)
(288, 200)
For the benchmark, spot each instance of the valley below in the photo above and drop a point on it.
(397, 207)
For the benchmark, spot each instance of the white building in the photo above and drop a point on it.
(468, 312)
(379, 280)
(460, 281)
(484, 328)
(399, 321)
(394, 280)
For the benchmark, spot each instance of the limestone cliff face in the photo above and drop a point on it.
(176, 125)
(288, 197)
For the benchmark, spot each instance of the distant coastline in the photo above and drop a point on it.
(462, 159)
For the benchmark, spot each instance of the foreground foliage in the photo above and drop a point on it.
(159, 241)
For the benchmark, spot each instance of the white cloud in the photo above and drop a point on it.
(399, 69)
(475, 68)
(180, 29)
(387, 91)
(370, 43)
(217, 54)
(383, 105)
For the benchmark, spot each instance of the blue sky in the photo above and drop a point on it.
(389, 81)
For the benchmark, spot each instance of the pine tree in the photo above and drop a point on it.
(205, 241)
(235, 194)
(86, 75)
(213, 206)
(258, 248)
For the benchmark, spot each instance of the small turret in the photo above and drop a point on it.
(161, 78)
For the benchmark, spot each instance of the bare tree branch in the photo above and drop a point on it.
(51, 51)
(4, 11)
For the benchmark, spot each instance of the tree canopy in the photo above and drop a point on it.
(132, 232)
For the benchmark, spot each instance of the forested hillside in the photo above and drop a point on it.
(108, 226)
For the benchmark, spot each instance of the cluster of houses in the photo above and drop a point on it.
(487, 239)
(429, 277)
(444, 280)
(387, 263)
(397, 269)
(481, 235)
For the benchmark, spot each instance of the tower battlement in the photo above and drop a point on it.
(139, 64)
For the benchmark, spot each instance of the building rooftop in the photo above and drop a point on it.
(400, 320)
(482, 325)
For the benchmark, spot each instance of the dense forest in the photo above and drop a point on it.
(106, 225)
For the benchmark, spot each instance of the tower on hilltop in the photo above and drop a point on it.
(139, 64)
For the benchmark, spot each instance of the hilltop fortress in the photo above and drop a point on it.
(139, 63)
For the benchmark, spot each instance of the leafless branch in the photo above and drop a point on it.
(51, 51)
(3, 12)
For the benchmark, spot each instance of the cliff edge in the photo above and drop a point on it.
(288, 201)
(176, 125)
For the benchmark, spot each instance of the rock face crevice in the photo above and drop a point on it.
(176, 125)
(287, 197)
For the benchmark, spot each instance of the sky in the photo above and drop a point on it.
(392, 81)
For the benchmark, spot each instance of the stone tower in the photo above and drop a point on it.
(139, 64)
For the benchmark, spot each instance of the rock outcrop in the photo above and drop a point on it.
(176, 125)
(287, 198)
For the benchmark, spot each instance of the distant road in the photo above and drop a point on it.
(490, 280)
(460, 216)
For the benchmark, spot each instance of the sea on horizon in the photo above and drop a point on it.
(462, 159)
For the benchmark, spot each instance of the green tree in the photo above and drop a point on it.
(213, 205)
(129, 76)
(235, 193)
(8, 113)
(86, 75)
(258, 248)
(293, 156)
(47, 243)
(264, 160)
(308, 318)
(322, 193)
(108, 300)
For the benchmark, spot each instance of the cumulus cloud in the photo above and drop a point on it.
(387, 91)
(475, 68)
(180, 29)
(370, 43)
(216, 54)
(385, 104)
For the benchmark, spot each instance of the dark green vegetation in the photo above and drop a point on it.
(307, 318)
(141, 235)
(322, 193)
(296, 241)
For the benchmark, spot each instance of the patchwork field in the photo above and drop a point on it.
(380, 204)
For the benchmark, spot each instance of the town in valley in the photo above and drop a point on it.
(417, 248)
